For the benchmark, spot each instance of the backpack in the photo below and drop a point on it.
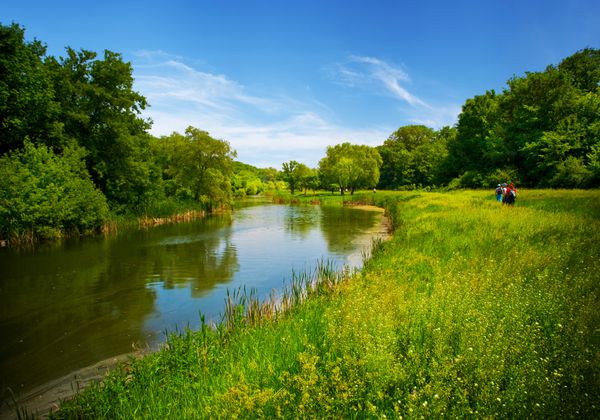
(509, 198)
(499, 190)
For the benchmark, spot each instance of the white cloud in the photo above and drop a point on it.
(379, 77)
(302, 137)
(265, 131)
(366, 72)
(269, 130)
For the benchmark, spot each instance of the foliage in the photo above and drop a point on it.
(28, 107)
(543, 130)
(310, 180)
(197, 167)
(249, 180)
(290, 173)
(477, 145)
(543, 125)
(84, 100)
(350, 166)
(461, 314)
(298, 175)
(413, 155)
(44, 195)
(100, 110)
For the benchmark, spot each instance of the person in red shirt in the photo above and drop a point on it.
(510, 195)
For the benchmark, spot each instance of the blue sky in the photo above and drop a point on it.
(282, 80)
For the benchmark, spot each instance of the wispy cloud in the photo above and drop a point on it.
(375, 76)
(369, 73)
(162, 78)
(265, 131)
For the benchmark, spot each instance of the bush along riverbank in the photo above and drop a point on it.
(471, 309)
(110, 224)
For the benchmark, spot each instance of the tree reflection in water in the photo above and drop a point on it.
(69, 305)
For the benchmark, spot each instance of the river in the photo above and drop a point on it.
(71, 304)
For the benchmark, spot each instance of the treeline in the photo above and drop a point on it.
(346, 167)
(248, 180)
(543, 130)
(75, 152)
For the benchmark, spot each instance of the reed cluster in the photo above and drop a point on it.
(147, 222)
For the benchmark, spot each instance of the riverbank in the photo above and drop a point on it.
(179, 269)
(46, 399)
(112, 226)
(471, 309)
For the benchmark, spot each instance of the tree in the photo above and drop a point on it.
(412, 155)
(350, 167)
(293, 173)
(478, 145)
(583, 69)
(201, 165)
(543, 126)
(246, 180)
(100, 111)
(553, 116)
(27, 100)
(309, 180)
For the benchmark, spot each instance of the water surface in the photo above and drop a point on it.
(66, 306)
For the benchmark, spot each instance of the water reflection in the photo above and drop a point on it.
(69, 305)
(64, 306)
(199, 261)
(341, 227)
(299, 221)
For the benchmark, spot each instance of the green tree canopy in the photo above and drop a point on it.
(100, 111)
(200, 166)
(412, 155)
(294, 174)
(350, 166)
(543, 128)
(27, 99)
(43, 194)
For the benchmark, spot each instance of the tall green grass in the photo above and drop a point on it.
(472, 309)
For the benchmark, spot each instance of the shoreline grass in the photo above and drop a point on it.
(471, 309)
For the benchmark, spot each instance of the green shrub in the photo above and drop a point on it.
(44, 195)
(571, 173)
(499, 176)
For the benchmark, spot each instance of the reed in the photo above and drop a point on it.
(147, 222)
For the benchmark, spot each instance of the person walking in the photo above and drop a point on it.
(510, 195)
(499, 193)
(504, 187)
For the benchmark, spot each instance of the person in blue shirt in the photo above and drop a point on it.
(499, 193)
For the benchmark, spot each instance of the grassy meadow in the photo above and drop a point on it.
(471, 309)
